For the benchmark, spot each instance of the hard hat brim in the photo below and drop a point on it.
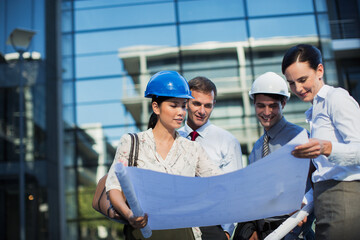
(251, 94)
(164, 95)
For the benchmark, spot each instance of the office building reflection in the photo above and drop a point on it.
(228, 65)
(88, 68)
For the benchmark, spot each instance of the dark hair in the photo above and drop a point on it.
(276, 97)
(154, 118)
(302, 53)
(202, 84)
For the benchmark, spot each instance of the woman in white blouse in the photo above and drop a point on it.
(334, 145)
(161, 149)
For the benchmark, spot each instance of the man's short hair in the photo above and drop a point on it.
(202, 84)
(276, 97)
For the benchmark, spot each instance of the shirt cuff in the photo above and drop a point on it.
(334, 156)
(343, 154)
(228, 228)
(308, 197)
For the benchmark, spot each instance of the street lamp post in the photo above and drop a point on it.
(20, 40)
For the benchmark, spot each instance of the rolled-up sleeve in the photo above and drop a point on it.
(345, 114)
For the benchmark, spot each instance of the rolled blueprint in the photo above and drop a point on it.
(129, 192)
(290, 223)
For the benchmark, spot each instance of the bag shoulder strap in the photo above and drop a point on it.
(134, 149)
(131, 153)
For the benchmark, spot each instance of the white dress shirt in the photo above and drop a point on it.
(221, 146)
(335, 116)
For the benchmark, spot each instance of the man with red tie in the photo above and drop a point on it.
(221, 146)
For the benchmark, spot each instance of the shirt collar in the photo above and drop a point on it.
(188, 129)
(272, 132)
(201, 130)
(308, 114)
(323, 91)
(320, 95)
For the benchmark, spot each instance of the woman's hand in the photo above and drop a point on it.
(118, 200)
(138, 222)
(312, 149)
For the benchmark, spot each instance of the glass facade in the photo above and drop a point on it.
(111, 48)
(30, 192)
(87, 72)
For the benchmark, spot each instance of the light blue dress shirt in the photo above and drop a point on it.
(335, 116)
(223, 149)
(280, 134)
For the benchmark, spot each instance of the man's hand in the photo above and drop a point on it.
(302, 222)
(305, 218)
(254, 236)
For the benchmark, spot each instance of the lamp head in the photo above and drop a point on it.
(20, 39)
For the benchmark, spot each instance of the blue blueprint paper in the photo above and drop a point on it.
(272, 186)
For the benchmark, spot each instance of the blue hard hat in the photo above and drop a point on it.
(168, 84)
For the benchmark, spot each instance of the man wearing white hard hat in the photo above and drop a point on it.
(270, 93)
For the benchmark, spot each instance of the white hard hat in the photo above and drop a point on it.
(269, 83)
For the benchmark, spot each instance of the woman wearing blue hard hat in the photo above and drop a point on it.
(161, 149)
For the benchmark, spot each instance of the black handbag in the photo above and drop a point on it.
(101, 202)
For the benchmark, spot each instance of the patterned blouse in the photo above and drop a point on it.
(185, 158)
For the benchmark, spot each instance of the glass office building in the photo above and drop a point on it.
(85, 72)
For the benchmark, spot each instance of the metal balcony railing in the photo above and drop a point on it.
(223, 84)
(346, 28)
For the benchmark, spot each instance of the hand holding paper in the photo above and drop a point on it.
(128, 190)
(290, 223)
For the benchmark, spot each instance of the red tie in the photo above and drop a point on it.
(194, 135)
